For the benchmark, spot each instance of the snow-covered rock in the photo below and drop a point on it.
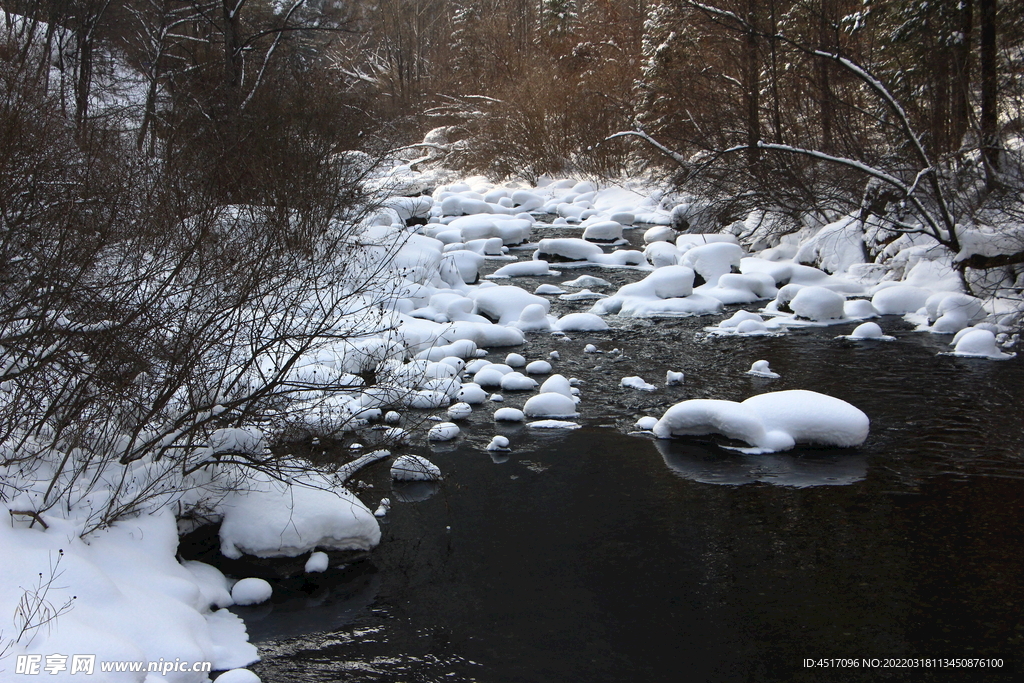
(899, 299)
(278, 519)
(509, 415)
(550, 404)
(414, 468)
(637, 383)
(580, 322)
(251, 591)
(770, 422)
(979, 343)
(818, 303)
(444, 431)
(760, 369)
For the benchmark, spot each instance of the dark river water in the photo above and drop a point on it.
(600, 555)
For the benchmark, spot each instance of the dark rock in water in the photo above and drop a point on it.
(558, 258)
(203, 545)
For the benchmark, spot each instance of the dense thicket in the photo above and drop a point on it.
(177, 227)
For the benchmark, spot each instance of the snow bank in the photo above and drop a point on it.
(770, 422)
(279, 519)
(114, 581)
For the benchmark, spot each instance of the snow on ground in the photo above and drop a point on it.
(437, 314)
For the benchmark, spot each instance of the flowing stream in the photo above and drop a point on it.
(600, 555)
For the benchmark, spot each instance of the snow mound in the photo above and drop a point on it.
(818, 304)
(637, 383)
(552, 424)
(583, 295)
(523, 269)
(711, 261)
(460, 411)
(760, 369)
(587, 281)
(550, 404)
(567, 249)
(770, 422)
(414, 468)
(319, 561)
(603, 231)
(557, 384)
(506, 303)
(445, 431)
(951, 312)
(978, 343)
(517, 381)
(472, 393)
(548, 289)
(666, 292)
(867, 331)
(509, 415)
(278, 519)
(899, 299)
(580, 322)
(239, 676)
(498, 443)
(646, 423)
(251, 591)
(538, 367)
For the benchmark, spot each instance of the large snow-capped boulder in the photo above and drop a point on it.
(271, 518)
(506, 303)
(770, 422)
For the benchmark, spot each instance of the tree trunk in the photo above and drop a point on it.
(961, 116)
(824, 84)
(752, 86)
(83, 84)
(989, 91)
(232, 49)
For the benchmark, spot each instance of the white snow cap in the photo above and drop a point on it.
(538, 367)
(239, 676)
(637, 383)
(509, 415)
(319, 561)
(760, 369)
(498, 443)
(869, 331)
(414, 468)
(977, 343)
(580, 322)
(770, 422)
(251, 591)
(818, 303)
(460, 411)
(646, 423)
(550, 404)
(277, 519)
(445, 431)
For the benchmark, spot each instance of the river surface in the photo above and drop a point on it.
(604, 555)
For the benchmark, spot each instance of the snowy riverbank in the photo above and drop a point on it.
(449, 264)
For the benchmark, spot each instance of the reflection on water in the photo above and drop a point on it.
(315, 603)
(413, 491)
(693, 460)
